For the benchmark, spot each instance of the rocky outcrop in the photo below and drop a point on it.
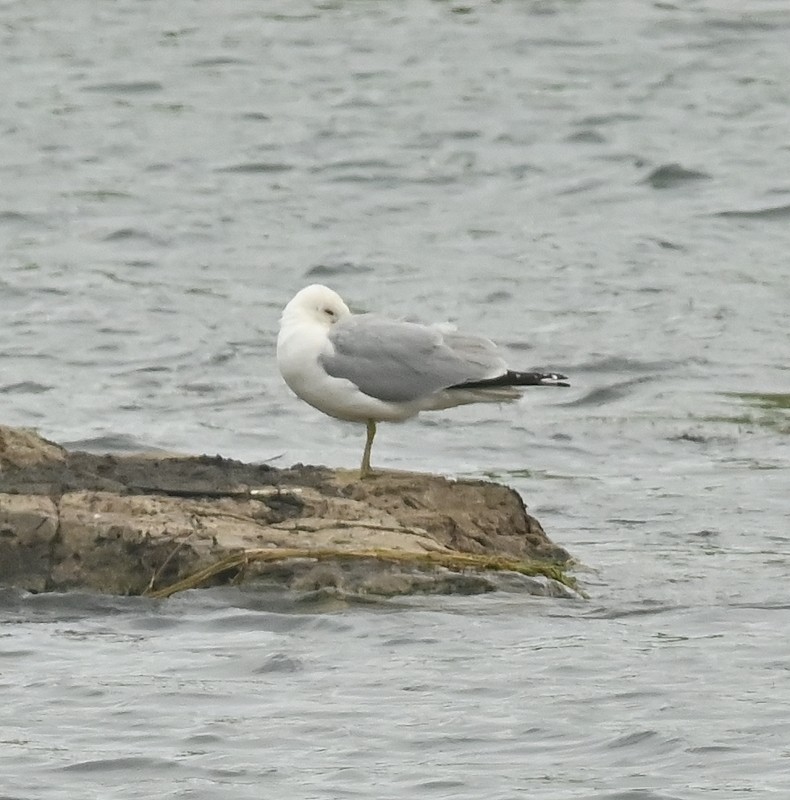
(148, 524)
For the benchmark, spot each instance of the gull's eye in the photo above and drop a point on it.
(330, 312)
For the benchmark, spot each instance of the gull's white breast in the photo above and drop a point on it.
(300, 345)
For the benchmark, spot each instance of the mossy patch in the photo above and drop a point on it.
(767, 400)
(232, 566)
(772, 411)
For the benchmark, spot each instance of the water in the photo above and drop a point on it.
(600, 187)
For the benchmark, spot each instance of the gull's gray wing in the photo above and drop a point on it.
(402, 361)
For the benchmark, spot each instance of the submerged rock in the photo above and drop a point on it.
(146, 524)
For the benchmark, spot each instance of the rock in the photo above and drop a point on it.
(147, 524)
(28, 529)
(20, 447)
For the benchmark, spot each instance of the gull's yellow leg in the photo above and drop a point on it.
(365, 470)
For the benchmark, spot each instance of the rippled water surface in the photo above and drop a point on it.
(603, 188)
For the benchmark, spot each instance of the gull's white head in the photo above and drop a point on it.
(316, 304)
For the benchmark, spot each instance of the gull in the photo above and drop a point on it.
(368, 368)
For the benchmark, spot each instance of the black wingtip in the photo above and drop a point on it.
(554, 379)
(512, 378)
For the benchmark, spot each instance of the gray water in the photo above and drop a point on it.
(604, 189)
